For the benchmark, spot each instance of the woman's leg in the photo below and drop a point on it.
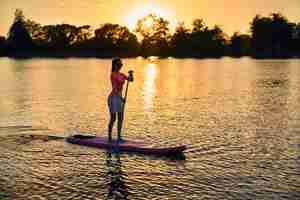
(111, 125)
(120, 123)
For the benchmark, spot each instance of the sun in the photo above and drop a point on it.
(140, 12)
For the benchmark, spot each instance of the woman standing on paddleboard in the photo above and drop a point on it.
(115, 100)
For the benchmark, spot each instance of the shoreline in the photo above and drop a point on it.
(107, 56)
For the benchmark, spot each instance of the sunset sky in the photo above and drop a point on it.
(232, 15)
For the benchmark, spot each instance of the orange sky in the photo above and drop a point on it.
(232, 15)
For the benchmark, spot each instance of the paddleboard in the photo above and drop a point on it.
(126, 146)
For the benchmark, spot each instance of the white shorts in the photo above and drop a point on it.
(115, 103)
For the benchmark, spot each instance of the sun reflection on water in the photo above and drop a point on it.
(149, 85)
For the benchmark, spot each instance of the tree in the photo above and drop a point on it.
(115, 39)
(207, 42)
(83, 33)
(3, 47)
(240, 44)
(198, 25)
(271, 36)
(296, 39)
(19, 16)
(181, 40)
(155, 34)
(57, 36)
(60, 36)
(18, 36)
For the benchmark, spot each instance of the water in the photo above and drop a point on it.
(240, 118)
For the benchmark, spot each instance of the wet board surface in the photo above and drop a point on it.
(126, 145)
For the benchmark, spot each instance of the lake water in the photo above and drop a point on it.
(239, 117)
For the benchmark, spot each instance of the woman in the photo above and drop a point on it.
(115, 99)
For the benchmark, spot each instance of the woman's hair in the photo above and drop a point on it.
(115, 64)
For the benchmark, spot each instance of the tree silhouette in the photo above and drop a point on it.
(18, 36)
(2, 40)
(181, 40)
(83, 33)
(2, 45)
(207, 42)
(198, 25)
(155, 34)
(115, 39)
(60, 36)
(296, 40)
(271, 36)
(240, 45)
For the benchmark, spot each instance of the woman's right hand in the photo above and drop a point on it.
(130, 76)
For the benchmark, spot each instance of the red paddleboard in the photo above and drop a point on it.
(126, 146)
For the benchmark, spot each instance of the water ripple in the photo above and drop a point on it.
(239, 118)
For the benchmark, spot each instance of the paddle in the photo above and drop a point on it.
(126, 91)
(130, 72)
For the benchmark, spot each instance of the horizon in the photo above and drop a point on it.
(63, 12)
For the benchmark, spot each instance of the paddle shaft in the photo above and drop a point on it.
(123, 108)
(125, 97)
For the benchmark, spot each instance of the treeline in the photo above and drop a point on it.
(273, 36)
